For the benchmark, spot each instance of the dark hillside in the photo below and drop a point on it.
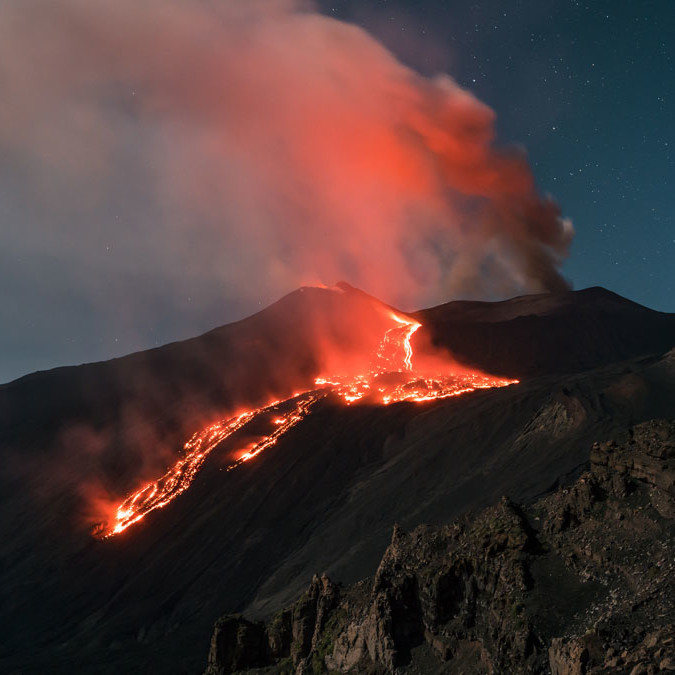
(324, 499)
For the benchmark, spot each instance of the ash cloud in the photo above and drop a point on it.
(252, 147)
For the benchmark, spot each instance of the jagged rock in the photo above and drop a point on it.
(575, 505)
(495, 592)
(280, 634)
(567, 658)
(449, 588)
(583, 655)
(577, 656)
(237, 644)
(649, 457)
(309, 616)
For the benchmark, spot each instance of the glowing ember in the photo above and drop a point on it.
(390, 379)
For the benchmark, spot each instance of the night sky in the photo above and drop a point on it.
(587, 88)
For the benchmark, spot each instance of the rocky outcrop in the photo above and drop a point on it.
(655, 653)
(236, 644)
(456, 589)
(290, 640)
(648, 458)
(580, 582)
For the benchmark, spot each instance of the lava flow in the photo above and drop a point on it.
(390, 378)
(176, 480)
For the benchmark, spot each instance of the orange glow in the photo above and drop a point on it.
(398, 338)
(392, 377)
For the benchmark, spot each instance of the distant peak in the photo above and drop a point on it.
(598, 290)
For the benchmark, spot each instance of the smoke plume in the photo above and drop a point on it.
(276, 146)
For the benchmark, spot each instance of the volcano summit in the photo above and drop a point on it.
(341, 416)
(380, 376)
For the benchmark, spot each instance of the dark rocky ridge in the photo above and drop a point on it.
(581, 581)
(550, 333)
(325, 498)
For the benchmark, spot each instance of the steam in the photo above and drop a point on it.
(276, 147)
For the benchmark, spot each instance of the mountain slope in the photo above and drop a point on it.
(581, 581)
(550, 333)
(324, 498)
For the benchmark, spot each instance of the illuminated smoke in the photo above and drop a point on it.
(389, 377)
(281, 147)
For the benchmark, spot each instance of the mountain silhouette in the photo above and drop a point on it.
(324, 498)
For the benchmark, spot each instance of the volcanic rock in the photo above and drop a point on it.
(236, 644)
(579, 582)
(326, 497)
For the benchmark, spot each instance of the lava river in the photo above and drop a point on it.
(392, 377)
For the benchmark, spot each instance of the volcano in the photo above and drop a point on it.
(314, 426)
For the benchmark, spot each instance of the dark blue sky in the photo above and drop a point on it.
(587, 88)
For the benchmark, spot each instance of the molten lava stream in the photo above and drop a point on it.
(176, 480)
(390, 378)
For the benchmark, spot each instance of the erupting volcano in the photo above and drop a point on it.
(334, 382)
(390, 376)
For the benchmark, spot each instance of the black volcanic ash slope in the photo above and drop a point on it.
(325, 498)
(549, 333)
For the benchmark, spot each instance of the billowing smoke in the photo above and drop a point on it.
(279, 147)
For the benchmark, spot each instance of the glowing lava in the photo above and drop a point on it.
(176, 480)
(397, 339)
(391, 378)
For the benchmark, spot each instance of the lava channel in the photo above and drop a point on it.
(391, 378)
